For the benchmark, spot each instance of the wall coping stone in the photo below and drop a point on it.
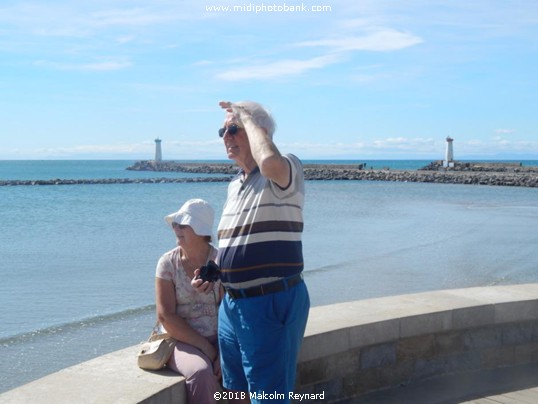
(111, 378)
(343, 326)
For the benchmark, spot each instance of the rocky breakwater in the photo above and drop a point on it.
(511, 175)
(170, 166)
(481, 166)
(111, 181)
(448, 177)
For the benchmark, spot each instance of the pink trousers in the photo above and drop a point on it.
(197, 369)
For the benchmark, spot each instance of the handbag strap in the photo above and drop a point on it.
(156, 335)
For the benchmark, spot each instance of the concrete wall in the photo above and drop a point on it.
(350, 349)
(355, 348)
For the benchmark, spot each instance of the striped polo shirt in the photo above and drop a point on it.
(260, 229)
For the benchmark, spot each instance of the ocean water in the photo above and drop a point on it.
(77, 262)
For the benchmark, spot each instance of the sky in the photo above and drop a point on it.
(344, 79)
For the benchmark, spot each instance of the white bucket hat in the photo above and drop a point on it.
(195, 213)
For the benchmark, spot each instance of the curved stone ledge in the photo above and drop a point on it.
(112, 378)
(350, 349)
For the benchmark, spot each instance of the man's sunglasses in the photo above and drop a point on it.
(232, 130)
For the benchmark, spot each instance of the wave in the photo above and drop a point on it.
(76, 325)
(310, 271)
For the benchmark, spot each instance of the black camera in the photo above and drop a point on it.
(209, 272)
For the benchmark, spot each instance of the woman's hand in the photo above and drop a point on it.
(199, 285)
(217, 371)
(213, 354)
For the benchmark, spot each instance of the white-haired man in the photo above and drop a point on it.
(263, 316)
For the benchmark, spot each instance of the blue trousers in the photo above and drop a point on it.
(259, 340)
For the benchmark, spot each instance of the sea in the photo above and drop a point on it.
(77, 262)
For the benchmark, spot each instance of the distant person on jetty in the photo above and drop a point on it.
(263, 315)
(191, 317)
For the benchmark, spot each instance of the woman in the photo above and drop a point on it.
(190, 317)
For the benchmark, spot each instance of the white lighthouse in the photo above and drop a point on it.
(158, 151)
(449, 156)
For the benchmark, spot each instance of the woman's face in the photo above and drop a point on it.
(184, 234)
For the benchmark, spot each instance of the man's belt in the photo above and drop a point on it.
(266, 288)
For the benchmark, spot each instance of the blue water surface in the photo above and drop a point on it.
(77, 262)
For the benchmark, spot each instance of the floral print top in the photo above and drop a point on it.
(198, 309)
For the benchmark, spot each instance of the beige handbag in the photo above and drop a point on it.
(155, 352)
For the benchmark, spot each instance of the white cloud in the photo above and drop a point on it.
(389, 148)
(142, 150)
(95, 67)
(120, 149)
(394, 146)
(404, 147)
(368, 78)
(379, 41)
(403, 143)
(203, 63)
(135, 16)
(497, 145)
(125, 39)
(281, 68)
(30, 25)
(505, 131)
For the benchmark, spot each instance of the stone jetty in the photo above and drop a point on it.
(113, 181)
(449, 177)
(171, 166)
(508, 174)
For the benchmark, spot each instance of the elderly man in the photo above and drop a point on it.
(263, 315)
